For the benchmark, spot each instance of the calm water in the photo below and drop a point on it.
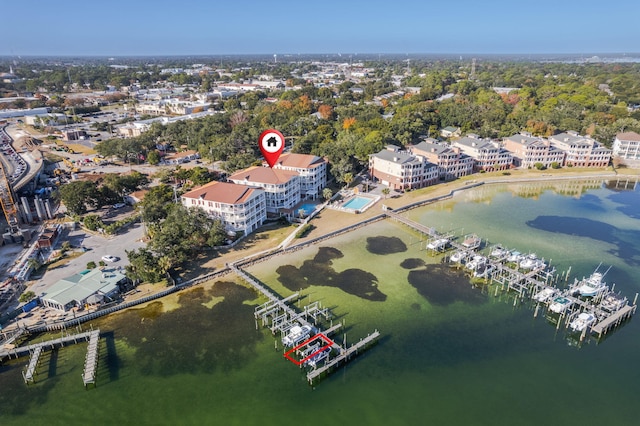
(450, 354)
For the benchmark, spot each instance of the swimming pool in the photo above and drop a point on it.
(308, 208)
(357, 203)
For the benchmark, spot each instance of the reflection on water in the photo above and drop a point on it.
(442, 285)
(319, 271)
(385, 245)
(412, 263)
(191, 339)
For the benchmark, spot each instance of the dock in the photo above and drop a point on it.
(279, 316)
(37, 349)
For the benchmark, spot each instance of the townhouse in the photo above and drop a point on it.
(281, 187)
(401, 170)
(451, 161)
(311, 169)
(240, 207)
(487, 154)
(528, 150)
(626, 147)
(581, 151)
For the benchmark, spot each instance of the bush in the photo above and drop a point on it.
(304, 230)
(91, 265)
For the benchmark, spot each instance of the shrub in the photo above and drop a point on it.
(91, 265)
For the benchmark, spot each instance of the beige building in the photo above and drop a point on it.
(281, 187)
(528, 150)
(311, 169)
(240, 207)
(626, 147)
(487, 154)
(451, 162)
(401, 170)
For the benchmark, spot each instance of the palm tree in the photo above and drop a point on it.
(347, 179)
(327, 193)
(386, 192)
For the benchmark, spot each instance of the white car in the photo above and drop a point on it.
(109, 258)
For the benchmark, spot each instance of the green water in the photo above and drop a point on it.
(471, 358)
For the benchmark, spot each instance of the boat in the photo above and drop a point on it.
(544, 295)
(591, 286)
(531, 262)
(483, 271)
(476, 262)
(498, 252)
(471, 241)
(439, 244)
(514, 256)
(613, 302)
(314, 360)
(582, 321)
(458, 256)
(296, 335)
(560, 304)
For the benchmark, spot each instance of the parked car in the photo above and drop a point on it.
(109, 258)
(119, 205)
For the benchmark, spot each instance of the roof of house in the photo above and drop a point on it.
(451, 129)
(476, 143)
(265, 175)
(183, 154)
(223, 192)
(436, 148)
(525, 139)
(628, 136)
(396, 156)
(300, 161)
(80, 286)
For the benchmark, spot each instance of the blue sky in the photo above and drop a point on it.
(190, 27)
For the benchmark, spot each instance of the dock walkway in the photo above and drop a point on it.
(91, 360)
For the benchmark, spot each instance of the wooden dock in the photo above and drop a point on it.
(91, 360)
(614, 320)
(344, 355)
(31, 368)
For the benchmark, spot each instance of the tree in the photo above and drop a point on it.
(347, 178)
(153, 157)
(385, 192)
(327, 193)
(27, 296)
(77, 195)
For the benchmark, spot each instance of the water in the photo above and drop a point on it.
(445, 357)
(357, 203)
(308, 208)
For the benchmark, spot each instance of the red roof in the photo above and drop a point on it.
(265, 175)
(300, 161)
(222, 192)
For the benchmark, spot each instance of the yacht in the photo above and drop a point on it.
(613, 302)
(498, 252)
(560, 304)
(314, 360)
(296, 335)
(544, 295)
(476, 262)
(483, 271)
(458, 256)
(582, 321)
(471, 241)
(531, 262)
(514, 256)
(591, 286)
(439, 244)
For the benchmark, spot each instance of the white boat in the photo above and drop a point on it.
(582, 321)
(483, 271)
(296, 335)
(560, 304)
(476, 262)
(439, 244)
(314, 360)
(591, 286)
(515, 256)
(458, 256)
(613, 302)
(531, 262)
(471, 241)
(498, 252)
(544, 295)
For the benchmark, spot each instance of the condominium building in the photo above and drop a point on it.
(581, 151)
(281, 187)
(401, 170)
(240, 207)
(451, 161)
(528, 150)
(311, 169)
(626, 147)
(487, 154)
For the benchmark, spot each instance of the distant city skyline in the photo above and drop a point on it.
(190, 27)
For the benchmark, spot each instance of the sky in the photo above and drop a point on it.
(214, 27)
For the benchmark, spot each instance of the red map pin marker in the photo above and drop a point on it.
(271, 145)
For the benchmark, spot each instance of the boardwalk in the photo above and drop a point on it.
(612, 321)
(91, 360)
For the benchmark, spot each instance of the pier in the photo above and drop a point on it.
(279, 316)
(527, 284)
(36, 349)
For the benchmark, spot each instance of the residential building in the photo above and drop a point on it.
(451, 161)
(487, 154)
(91, 287)
(528, 150)
(281, 187)
(311, 169)
(401, 170)
(626, 147)
(240, 207)
(581, 151)
(450, 132)
(181, 157)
